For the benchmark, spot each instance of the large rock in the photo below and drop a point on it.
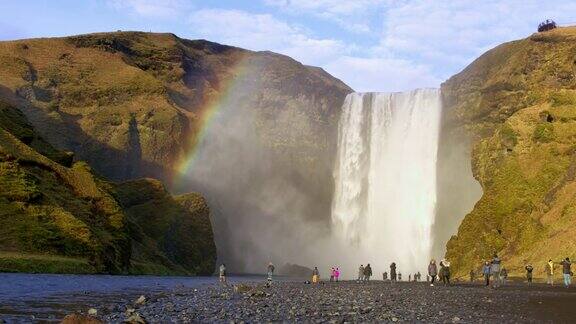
(515, 107)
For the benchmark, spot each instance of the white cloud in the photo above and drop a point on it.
(382, 74)
(152, 8)
(353, 16)
(449, 34)
(263, 32)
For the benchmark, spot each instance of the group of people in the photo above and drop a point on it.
(491, 269)
(364, 273)
(549, 270)
(442, 273)
(334, 274)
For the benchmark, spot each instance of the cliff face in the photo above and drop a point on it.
(136, 105)
(57, 216)
(515, 107)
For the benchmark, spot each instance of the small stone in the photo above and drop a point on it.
(140, 301)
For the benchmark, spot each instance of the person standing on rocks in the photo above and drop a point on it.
(392, 272)
(504, 275)
(432, 271)
(361, 273)
(367, 272)
(337, 274)
(566, 272)
(270, 272)
(332, 274)
(486, 269)
(529, 270)
(495, 270)
(549, 269)
(445, 270)
(399, 276)
(223, 273)
(315, 275)
(472, 275)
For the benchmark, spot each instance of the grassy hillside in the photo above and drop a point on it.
(517, 105)
(57, 216)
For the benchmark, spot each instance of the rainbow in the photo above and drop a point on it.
(209, 108)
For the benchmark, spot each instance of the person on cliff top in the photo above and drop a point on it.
(270, 271)
(385, 276)
(337, 274)
(472, 275)
(432, 271)
(332, 274)
(399, 276)
(495, 271)
(409, 277)
(445, 270)
(367, 272)
(393, 272)
(361, 273)
(566, 272)
(486, 269)
(549, 270)
(419, 276)
(315, 275)
(529, 268)
(223, 273)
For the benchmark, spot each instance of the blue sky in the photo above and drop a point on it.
(372, 45)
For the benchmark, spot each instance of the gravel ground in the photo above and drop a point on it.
(353, 302)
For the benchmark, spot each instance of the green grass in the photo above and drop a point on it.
(40, 263)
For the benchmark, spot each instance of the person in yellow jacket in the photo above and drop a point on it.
(315, 275)
(549, 269)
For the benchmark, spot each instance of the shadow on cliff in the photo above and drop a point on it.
(110, 162)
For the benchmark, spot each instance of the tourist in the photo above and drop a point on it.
(336, 274)
(223, 273)
(503, 275)
(315, 275)
(419, 277)
(385, 276)
(409, 277)
(445, 270)
(566, 272)
(270, 271)
(472, 275)
(393, 272)
(399, 277)
(550, 272)
(432, 271)
(361, 273)
(495, 270)
(486, 269)
(332, 270)
(529, 270)
(367, 272)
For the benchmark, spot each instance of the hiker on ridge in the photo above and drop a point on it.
(393, 272)
(566, 271)
(367, 272)
(361, 273)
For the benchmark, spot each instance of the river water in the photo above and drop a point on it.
(48, 297)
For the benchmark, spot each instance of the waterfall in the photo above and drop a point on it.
(385, 176)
